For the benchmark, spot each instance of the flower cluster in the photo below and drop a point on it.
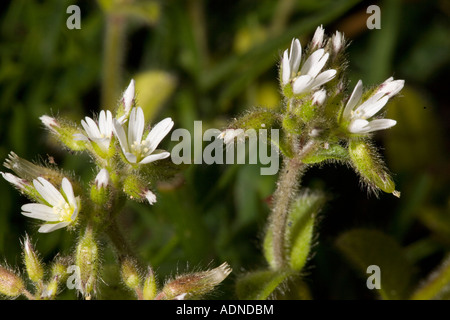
(103, 138)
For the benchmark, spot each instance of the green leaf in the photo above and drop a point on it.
(300, 227)
(437, 285)
(259, 285)
(366, 247)
(299, 230)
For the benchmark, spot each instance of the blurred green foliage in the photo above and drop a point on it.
(210, 61)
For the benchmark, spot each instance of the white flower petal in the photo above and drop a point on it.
(315, 62)
(391, 87)
(158, 132)
(323, 78)
(91, 128)
(301, 84)
(68, 191)
(154, 157)
(48, 191)
(46, 228)
(39, 211)
(136, 126)
(357, 125)
(295, 56)
(128, 97)
(130, 157)
(380, 124)
(354, 99)
(120, 134)
(286, 68)
(370, 107)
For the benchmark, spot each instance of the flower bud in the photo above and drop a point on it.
(64, 132)
(127, 103)
(149, 290)
(11, 285)
(369, 165)
(317, 40)
(87, 260)
(195, 284)
(33, 264)
(99, 191)
(137, 190)
(130, 274)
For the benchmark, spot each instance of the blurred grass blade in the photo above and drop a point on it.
(437, 286)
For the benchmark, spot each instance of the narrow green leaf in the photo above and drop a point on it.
(300, 227)
(259, 285)
(366, 247)
(437, 285)
(299, 230)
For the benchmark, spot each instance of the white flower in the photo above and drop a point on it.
(49, 122)
(60, 209)
(150, 196)
(127, 98)
(20, 184)
(100, 134)
(310, 76)
(355, 114)
(102, 179)
(136, 149)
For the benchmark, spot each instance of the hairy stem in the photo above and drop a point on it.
(120, 243)
(287, 186)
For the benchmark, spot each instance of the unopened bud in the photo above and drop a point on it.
(50, 123)
(87, 260)
(64, 131)
(33, 264)
(99, 191)
(137, 189)
(11, 285)
(317, 40)
(150, 288)
(318, 98)
(130, 273)
(127, 103)
(195, 284)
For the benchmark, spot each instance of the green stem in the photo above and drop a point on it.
(113, 56)
(287, 185)
(120, 242)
